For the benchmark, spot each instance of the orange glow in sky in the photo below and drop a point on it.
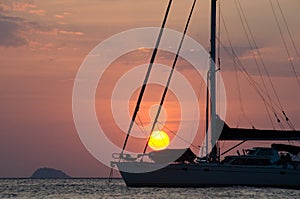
(43, 43)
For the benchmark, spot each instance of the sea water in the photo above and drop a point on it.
(101, 188)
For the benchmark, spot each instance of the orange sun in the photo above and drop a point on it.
(158, 140)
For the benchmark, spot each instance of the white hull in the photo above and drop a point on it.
(211, 175)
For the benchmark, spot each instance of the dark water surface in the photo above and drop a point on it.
(99, 188)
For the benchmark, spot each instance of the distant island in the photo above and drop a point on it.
(49, 173)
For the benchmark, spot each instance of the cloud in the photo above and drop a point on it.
(21, 7)
(37, 12)
(10, 34)
(16, 6)
(64, 32)
(4, 7)
(16, 31)
(18, 28)
(59, 16)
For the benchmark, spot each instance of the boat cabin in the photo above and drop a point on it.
(254, 156)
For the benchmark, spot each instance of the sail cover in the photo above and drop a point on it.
(173, 155)
(257, 134)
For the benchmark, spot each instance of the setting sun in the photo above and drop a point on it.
(159, 140)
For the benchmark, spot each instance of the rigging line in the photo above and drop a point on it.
(222, 145)
(161, 136)
(258, 90)
(263, 64)
(254, 47)
(252, 82)
(234, 61)
(242, 142)
(260, 57)
(111, 174)
(244, 25)
(288, 121)
(239, 92)
(142, 128)
(198, 97)
(290, 124)
(207, 115)
(196, 147)
(279, 122)
(284, 43)
(250, 79)
(288, 29)
(171, 73)
(147, 75)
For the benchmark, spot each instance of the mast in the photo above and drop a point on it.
(212, 80)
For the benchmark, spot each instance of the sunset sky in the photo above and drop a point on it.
(43, 43)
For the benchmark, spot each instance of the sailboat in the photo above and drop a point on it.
(258, 166)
